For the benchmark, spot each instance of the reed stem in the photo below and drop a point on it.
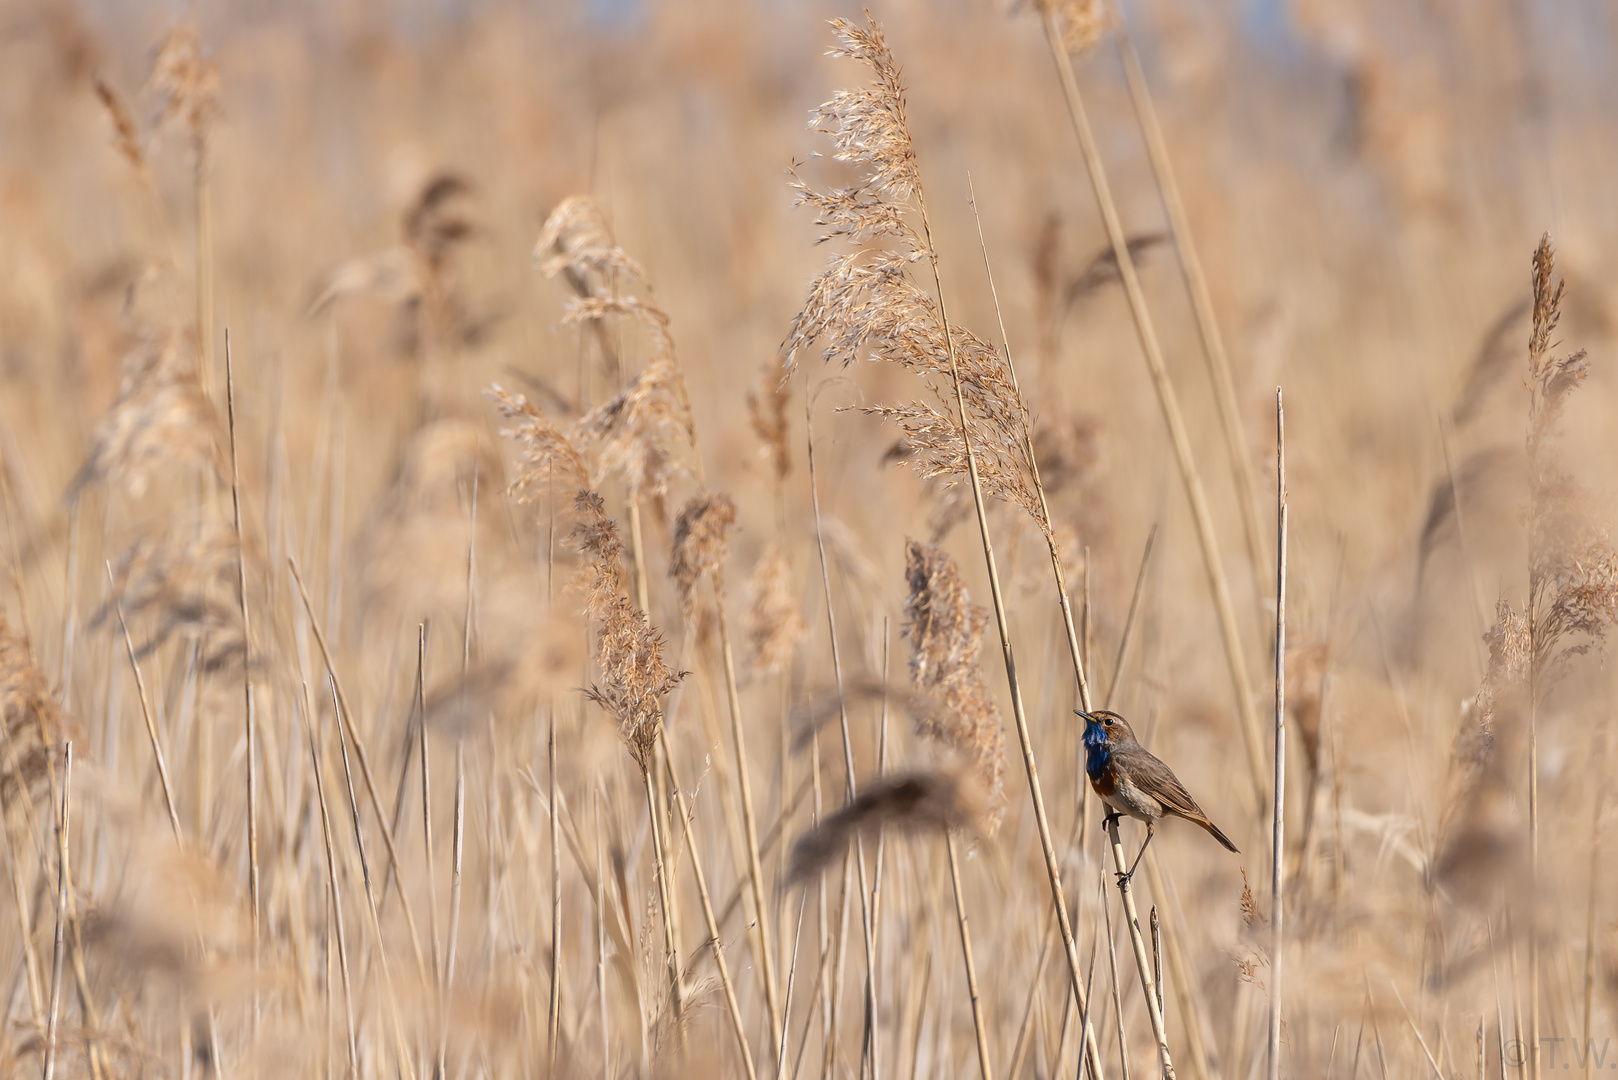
(1053, 871)
(1278, 817)
(1196, 286)
(251, 733)
(978, 1028)
(1169, 403)
(715, 943)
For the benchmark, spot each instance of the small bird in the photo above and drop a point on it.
(1132, 781)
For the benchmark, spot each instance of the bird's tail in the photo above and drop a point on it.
(1213, 831)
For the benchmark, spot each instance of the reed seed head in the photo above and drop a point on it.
(161, 420)
(909, 802)
(549, 458)
(576, 239)
(187, 82)
(33, 724)
(946, 630)
(775, 622)
(1082, 23)
(629, 653)
(701, 537)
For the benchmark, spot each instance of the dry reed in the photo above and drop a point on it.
(261, 153)
(946, 637)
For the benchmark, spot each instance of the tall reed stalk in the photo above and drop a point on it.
(251, 731)
(1278, 813)
(1196, 287)
(913, 327)
(1168, 402)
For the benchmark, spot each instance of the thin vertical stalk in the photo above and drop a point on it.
(370, 904)
(247, 657)
(601, 940)
(1184, 987)
(204, 238)
(1157, 957)
(151, 724)
(1052, 866)
(336, 895)
(64, 883)
(1278, 816)
(345, 721)
(714, 941)
(25, 921)
(1196, 285)
(1533, 848)
(457, 851)
(1596, 811)
(70, 581)
(834, 992)
(786, 1004)
(1117, 999)
(837, 670)
(1169, 403)
(978, 1029)
(1127, 638)
(671, 955)
(554, 1020)
(871, 1006)
(427, 846)
(1025, 1031)
(1142, 961)
(755, 870)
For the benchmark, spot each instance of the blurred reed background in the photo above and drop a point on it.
(257, 597)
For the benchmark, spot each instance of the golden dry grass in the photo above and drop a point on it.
(524, 328)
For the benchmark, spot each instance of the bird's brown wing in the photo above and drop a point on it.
(1158, 780)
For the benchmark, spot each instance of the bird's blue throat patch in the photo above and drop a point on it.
(1097, 756)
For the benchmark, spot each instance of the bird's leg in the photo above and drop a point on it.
(1125, 875)
(1111, 817)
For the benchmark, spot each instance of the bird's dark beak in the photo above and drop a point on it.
(1082, 714)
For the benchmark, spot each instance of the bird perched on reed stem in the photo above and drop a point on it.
(1132, 781)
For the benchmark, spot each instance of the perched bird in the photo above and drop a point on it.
(1130, 780)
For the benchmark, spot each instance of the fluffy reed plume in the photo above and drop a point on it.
(1479, 833)
(1305, 667)
(634, 677)
(911, 802)
(866, 305)
(576, 241)
(946, 636)
(775, 622)
(417, 275)
(636, 435)
(33, 724)
(701, 538)
(1573, 568)
(435, 224)
(176, 923)
(1572, 596)
(548, 456)
(1082, 22)
(161, 420)
(767, 400)
(180, 584)
(1102, 269)
(187, 83)
(126, 137)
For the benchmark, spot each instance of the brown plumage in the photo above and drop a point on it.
(1133, 782)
